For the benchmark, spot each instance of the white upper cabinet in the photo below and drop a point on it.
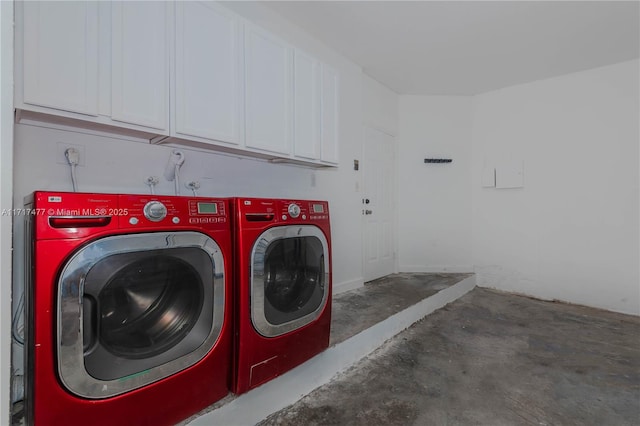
(139, 63)
(208, 76)
(177, 72)
(330, 113)
(268, 85)
(96, 63)
(60, 55)
(306, 109)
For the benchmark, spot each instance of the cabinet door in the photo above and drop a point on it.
(208, 77)
(139, 63)
(330, 114)
(306, 108)
(268, 82)
(60, 55)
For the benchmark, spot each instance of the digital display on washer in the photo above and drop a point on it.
(207, 208)
(317, 208)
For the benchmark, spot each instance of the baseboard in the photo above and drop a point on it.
(546, 298)
(435, 269)
(348, 285)
(258, 404)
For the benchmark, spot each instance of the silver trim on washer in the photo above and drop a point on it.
(258, 318)
(73, 374)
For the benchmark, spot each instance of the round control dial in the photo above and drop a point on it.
(155, 211)
(294, 210)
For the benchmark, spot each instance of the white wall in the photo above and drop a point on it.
(571, 233)
(6, 179)
(434, 199)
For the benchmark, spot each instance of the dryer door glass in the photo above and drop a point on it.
(289, 278)
(293, 279)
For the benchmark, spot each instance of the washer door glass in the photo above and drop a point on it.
(151, 305)
(141, 306)
(290, 278)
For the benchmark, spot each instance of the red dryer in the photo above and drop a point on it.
(283, 286)
(128, 308)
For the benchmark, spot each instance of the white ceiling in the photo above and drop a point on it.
(470, 47)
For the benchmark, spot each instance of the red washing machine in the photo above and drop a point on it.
(128, 308)
(283, 286)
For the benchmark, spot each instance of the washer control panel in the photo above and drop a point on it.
(173, 211)
(78, 215)
(155, 211)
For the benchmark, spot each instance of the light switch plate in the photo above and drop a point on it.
(510, 174)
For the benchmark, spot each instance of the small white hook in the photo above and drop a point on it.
(194, 185)
(151, 182)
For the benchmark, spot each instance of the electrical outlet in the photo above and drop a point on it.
(62, 147)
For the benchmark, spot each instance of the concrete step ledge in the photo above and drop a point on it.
(258, 404)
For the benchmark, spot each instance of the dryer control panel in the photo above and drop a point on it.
(270, 210)
(314, 211)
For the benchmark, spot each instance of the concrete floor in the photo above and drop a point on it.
(357, 310)
(362, 320)
(490, 358)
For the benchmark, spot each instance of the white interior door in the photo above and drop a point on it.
(378, 168)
